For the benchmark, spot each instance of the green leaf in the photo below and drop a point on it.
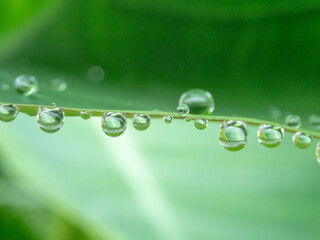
(171, 181)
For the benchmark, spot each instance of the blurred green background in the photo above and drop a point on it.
(172, 181)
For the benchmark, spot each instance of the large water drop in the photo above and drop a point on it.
(141, 121)
(198, 100)
(113, 124)
(50, 120)
(233, 135)
(302, 140)
(26, 85)
(95, 74)
(269, 135)
(293, 121)
(201, 124)
(8, 112)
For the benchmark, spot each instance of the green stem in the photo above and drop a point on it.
(32, 111)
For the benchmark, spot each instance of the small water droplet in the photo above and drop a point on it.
(187, 119)
(8, 112)
(26, 85)
(318, 152)
(95, 74)
(275, 112)
(53, 104)
(50, 120)
(198, 100)
(302, 140)
(201, 123)
(4, 86)
(314, 121)
(293, 121)
(84, 114)
(141, 121)
(270, 136)
(113, 124)
(183, 109)
(168, 119)
(233, 135)
(58, 85)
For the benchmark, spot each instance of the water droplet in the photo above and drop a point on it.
(318, 152)
(201, 123)
(141, 121)
(53, 104)
(113, 124)
(198, 100)
(58, 85)
(4, 86)
(96, 74)
(26, 85)
(293, 121)
(270, 136)
(314, 121)
(233, 135)
(302, 140)
(8, 112)
(84, 114)
(168, 119)
(187, 119)
(183, 109)
(275, 112)
(50, 120)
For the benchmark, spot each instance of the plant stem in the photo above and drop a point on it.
(33, 109)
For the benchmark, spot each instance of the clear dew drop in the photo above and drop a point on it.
(4, 86)
(198, 100)
(58, 85)
(26, 85)
(141, 121)
(293, 121)
(53, 104)
(314, 121)
(201, 124)
(183, 109)
(233, 135)
(95, 74)
(84, 114)
(50, 120)
(168, 119)
(8, 112)
(302, 140)
(113, 124)
(318, 152)
(269, 135)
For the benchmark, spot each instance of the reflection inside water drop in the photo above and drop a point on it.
(201, 124)
(302, 140)
(84, 114)
(141, 121)
(269, 135)
(8, 112)
(113, 124)
(233, 135)
(183, 109)
(50, 120)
